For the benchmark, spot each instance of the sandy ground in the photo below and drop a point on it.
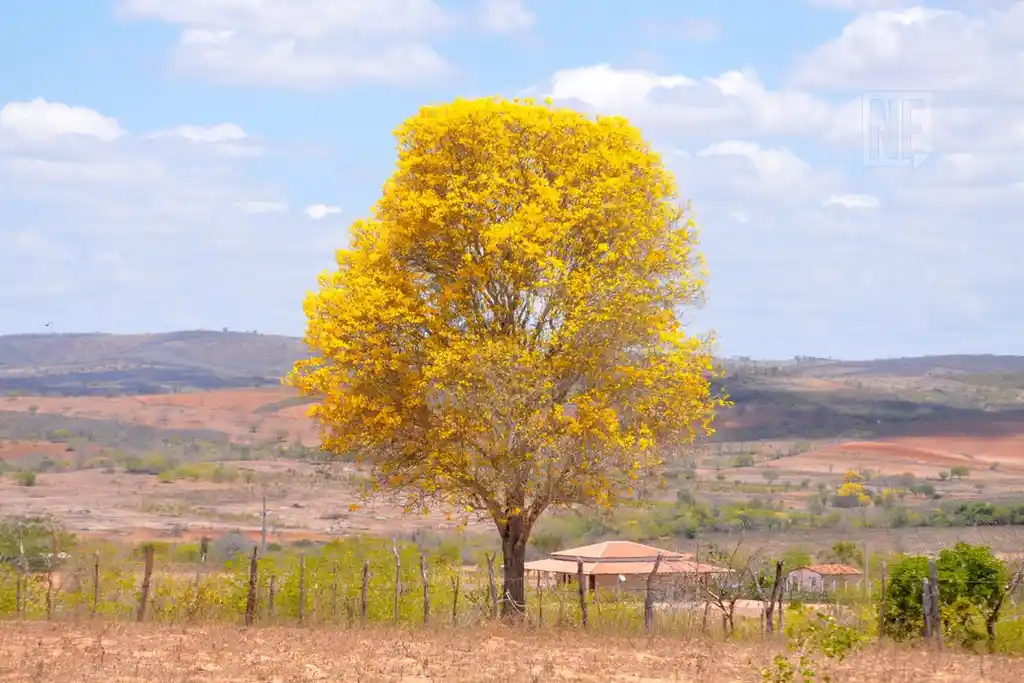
(81, 653)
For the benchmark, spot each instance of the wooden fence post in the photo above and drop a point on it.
(302, 589)
(648, 595)
(334, 594)
(455, 599)
(19, 598)
(147, 574)
(271, 594)
(398, 578)
(366, 586)
(936, 604)
(250, 599)
(95, 582)
(49, 575)
(540, 603)
(426, 589)
(926, 607)
(492, 587)
(581, 580)
(882, 603)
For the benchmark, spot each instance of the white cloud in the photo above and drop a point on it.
(755, 171)
(42, 121)
(319, 43)
(732, 103)
(226, 138)
(224, 132)
(320, 211)
(505, 16)
(302, 20)
(921, 48)
(241, 59)
(255, 208)
(852, 201)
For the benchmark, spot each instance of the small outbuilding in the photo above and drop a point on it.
(821, 578)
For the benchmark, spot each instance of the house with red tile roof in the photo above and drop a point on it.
(621, 564)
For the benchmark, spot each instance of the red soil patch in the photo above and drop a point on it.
(230, 411)
(21, 450)
(923, 456)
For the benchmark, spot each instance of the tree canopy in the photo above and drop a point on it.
(503, 333)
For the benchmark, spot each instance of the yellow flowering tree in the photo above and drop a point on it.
(503, 333)
(851, 492)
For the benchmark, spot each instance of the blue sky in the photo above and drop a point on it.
(169, 164)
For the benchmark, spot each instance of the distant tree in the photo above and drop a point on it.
(845, 552)
(794, 558)
(30, 537)
(959, 472)
(943, 475)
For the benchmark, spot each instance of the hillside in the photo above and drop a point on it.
(107, 364)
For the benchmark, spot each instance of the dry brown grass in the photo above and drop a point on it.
(82, 653)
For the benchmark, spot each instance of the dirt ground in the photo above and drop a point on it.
(305, 505)
(990, 459)
(301, 504)
(232, 411)
(86, 653)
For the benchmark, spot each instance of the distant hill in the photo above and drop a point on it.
(914, 366)
(108, 364)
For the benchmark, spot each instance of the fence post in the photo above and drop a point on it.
(365, 588)
(334, 594)
(250, 599)
(926, 607)
(271, 594)
(95, 582)
(540, 602)
(426, 589)
(936, 604)
(581, 580)
(147, 574)
(455, 599)
(302, 589)
(398, 578)
(492, 587)
(19, 598)
(49, 576)
(648, 595)
(882, 604)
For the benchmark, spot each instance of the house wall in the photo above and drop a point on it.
(809, 581)
(664, 584)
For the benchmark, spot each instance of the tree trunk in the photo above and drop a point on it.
(514, 536)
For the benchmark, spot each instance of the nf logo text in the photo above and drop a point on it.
(897, 128)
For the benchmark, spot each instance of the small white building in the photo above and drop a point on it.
(822, 578)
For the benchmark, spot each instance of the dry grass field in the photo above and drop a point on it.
(65, 652)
